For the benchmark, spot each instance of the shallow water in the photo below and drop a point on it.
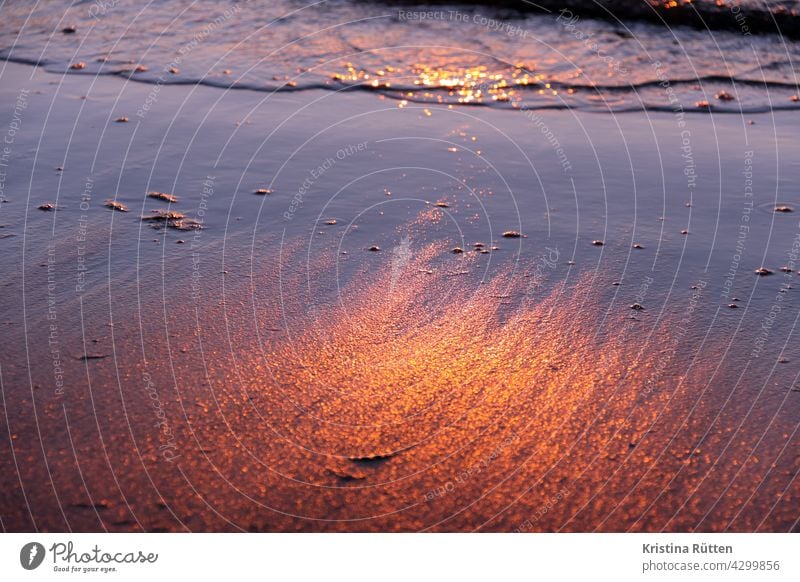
(434, 54)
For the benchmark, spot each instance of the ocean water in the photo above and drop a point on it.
(734, 57)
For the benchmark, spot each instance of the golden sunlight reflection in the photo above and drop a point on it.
(414, 396)
(471, 85)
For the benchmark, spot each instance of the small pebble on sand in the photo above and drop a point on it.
(763, 272)
(114, 205)
(598, 243)
(47, 206)
(163, 196)
(174, 220)
(512, 234)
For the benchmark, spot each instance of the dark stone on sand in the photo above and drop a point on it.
(121, 120)
(457, 250)
(598, 243)
(371, 459)
(786, 269)
(374, 248)
(638, 246)
(100, 506)
(684, 231)
(87, 357)
(69, 29)
(47, 207)
(512, 234)
(263, 191)
(733, 306)
(442, 205)
(763, 272)
(637, 307)
(783, 208)
(78, 66)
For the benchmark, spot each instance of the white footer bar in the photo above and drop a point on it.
(400, 557)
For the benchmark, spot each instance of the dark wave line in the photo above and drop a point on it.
(400, 92)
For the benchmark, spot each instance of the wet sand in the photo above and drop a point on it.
(253, 365)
